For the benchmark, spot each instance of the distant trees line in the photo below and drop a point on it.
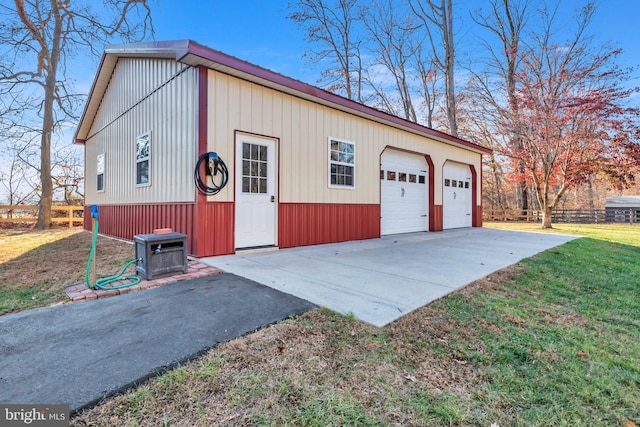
(551, 104)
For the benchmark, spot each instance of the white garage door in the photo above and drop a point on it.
(456, 194)
(403, 192)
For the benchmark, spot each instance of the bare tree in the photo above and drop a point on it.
(437, 20)
(18, 181)
(428, 78)
(334, 30)
(506, 22)
(38, 38)
(68, 175)
(394, 49)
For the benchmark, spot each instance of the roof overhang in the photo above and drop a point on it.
(194, 54)
(622, 202)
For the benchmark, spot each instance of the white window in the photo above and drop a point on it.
(100, 173)
(143, 159)
(342, 162)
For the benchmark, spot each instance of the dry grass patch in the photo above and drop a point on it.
(36, 266)
(319, 366)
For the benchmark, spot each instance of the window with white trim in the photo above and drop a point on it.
(143, 159)
(342, 162)
(100, 173)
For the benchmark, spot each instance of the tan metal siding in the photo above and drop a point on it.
(303, 129)
(145, 95)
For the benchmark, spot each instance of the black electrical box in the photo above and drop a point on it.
(161, 255)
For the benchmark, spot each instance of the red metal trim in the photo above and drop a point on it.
(76, 139)
(225, 60)
(216, 235)
(201, 148)
(303, 224)
(478, 212)
(202, 117)
(476, 221)
(433, 224)
(438, 218)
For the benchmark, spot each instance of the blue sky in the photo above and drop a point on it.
(259, 32)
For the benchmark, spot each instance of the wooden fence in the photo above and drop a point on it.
(73, 215)
(29, 213)
(580, 216)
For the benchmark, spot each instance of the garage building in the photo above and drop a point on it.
(622, 209)
(305, 166)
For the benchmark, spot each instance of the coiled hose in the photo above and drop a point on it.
(213, 165)
(104, 282)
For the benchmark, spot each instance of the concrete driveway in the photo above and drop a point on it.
(379, 280)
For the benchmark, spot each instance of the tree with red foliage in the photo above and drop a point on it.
(572, 118)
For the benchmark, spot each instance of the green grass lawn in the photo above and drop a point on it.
(627, 234)
(554, 340)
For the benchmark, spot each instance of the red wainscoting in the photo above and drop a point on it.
(476, 213)
(437, 219)
(302, 224)
(125, 221)
(477, 221)
(209, 228)
(215, 229)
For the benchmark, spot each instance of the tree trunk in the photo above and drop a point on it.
(524, 194)
(590, 194)
(447, 29)
(46, 195)
(50, 95)
(547, 212)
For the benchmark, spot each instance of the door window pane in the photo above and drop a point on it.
(254, 168)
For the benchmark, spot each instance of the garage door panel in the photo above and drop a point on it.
(456, 195)
(403, 193)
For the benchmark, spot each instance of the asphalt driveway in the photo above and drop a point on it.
(379, 280)
(80, 353)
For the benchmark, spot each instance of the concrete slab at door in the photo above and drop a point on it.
(379, 280)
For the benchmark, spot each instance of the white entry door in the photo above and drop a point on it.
(456, 195)
(256, 199)
(403, 192)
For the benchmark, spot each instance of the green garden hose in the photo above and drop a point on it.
(104, 282)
